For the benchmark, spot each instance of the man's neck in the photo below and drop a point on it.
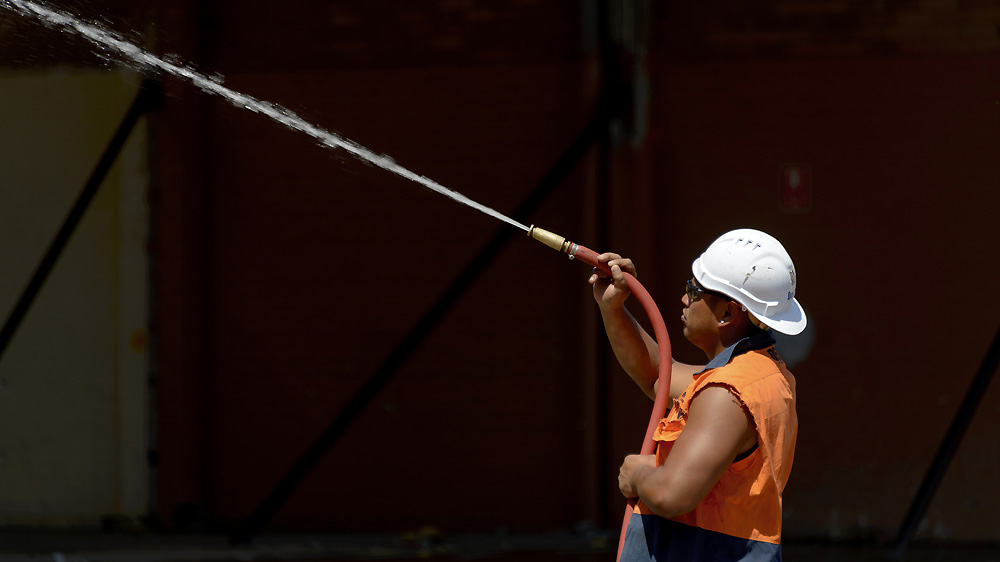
(723, 344)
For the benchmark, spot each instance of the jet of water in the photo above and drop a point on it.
(108, 40)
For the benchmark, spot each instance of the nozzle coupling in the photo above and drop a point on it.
(553, 240)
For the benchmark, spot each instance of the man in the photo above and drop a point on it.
(712, 490)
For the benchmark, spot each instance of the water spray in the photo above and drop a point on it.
(114, 43)
(590, 257)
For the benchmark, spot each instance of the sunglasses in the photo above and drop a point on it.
(695, 292)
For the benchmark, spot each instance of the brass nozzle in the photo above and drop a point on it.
(550, 239)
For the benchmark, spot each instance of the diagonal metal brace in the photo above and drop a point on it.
(946, 451)
(149, 98)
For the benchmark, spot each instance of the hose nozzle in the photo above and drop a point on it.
(558, 243)
(550, 239)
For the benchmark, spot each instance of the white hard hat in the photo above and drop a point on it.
(752, 268)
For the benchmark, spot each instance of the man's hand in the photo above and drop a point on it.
(610, 291)
(717, 429)
(633, 466)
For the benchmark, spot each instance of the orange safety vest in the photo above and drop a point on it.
(740, 518)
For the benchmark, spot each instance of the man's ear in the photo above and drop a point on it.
(733, 311)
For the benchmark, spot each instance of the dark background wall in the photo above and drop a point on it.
(285, 273)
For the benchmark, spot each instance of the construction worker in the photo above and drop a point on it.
(712, 490)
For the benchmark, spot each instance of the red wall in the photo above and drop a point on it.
(286, 272)
(312, 266)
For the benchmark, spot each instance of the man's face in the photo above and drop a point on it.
(701, 314)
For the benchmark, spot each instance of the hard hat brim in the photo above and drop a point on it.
(791, 323)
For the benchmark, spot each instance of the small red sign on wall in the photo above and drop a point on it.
(795, 188)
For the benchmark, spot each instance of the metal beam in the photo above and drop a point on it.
(148, 98)
(946, 451)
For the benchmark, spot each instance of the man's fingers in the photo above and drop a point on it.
(626, 265)
(618, 275)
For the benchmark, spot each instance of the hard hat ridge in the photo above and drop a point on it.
(753, 268)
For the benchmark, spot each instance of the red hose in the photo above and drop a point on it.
(589, 257)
